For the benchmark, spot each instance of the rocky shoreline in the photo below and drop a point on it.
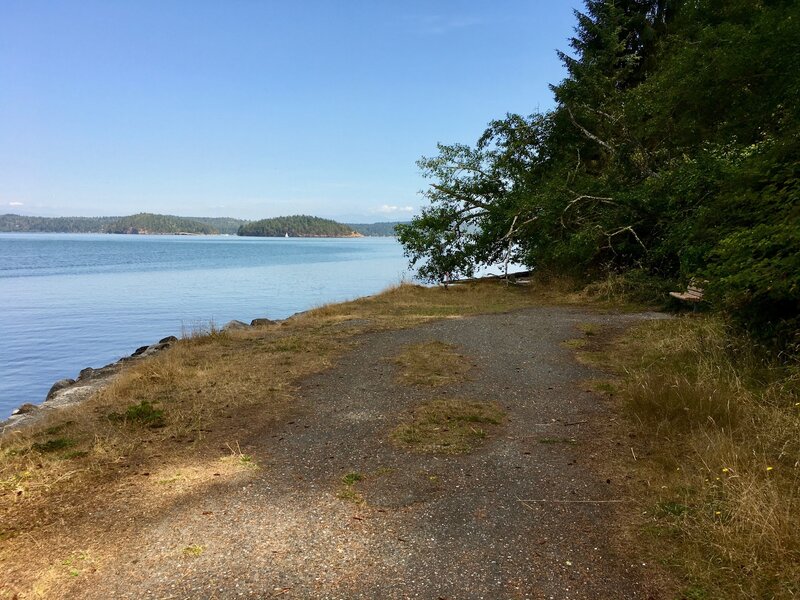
(68, 392)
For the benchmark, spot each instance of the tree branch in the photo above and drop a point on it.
(460, 196)
(588, 133)
(601, 199)
(622, 230)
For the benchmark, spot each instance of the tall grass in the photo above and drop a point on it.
(719, 431)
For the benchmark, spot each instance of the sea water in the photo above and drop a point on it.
(69, 301)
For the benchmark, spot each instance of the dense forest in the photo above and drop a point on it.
(296, 226)
(142, 222)
(672, 154)
(154, 224)
(22, 223)
(150, 223)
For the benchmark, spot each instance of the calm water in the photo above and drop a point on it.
(75, 301)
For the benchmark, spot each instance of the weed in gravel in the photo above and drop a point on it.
(448, 425)
(348, 491)
(193, 550)
(352, 478)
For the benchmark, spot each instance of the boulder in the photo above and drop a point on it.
(232, 325)
(86, 373)
(261, 322)
(140, 350)
(58, 386)
(170, 339)
(25, 409)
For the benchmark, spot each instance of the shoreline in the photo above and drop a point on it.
(68, 392)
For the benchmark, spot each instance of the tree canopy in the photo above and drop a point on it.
(151, 223)
(672, 151)
(296, 226)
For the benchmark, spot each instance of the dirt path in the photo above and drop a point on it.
(490, 524)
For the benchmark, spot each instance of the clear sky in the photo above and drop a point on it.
(256, 108)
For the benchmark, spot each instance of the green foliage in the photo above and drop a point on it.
(142, 222)
(19, 223)
(672, 153)
(150, 223)
(296, 226)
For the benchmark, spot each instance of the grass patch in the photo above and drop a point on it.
(432, 364)
(348, 491)
(590, 329)
(193, 550)
(449, 426)
(143, 413)
(352, 478)
(56, 429)
(575, 344)
(558, 441)
(53, 445)
(717, 433)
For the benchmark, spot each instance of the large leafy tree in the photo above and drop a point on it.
(672, 149)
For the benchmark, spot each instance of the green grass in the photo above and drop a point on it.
(558, 441)
(53, 445)
(352, 478)
(143, 413)
(348, 490)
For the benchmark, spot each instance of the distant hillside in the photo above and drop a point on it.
(150, 223)
(376, 229)
(54, 224)
(297, 226)
(167, 224)
(224, 225)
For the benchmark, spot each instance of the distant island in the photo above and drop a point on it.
(145, 223)
(297, 226)
(156, 224)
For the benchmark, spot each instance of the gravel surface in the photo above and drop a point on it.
(508, 520)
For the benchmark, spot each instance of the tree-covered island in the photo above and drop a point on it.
(147, 223)
(297, 226)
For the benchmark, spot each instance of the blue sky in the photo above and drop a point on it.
(252, 108)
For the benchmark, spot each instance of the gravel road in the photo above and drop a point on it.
(509, 520)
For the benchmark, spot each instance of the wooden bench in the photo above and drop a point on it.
(692, 294)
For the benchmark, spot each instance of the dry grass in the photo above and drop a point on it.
(181, 412)
(432, 364)
(718, 439)
(448, 426)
